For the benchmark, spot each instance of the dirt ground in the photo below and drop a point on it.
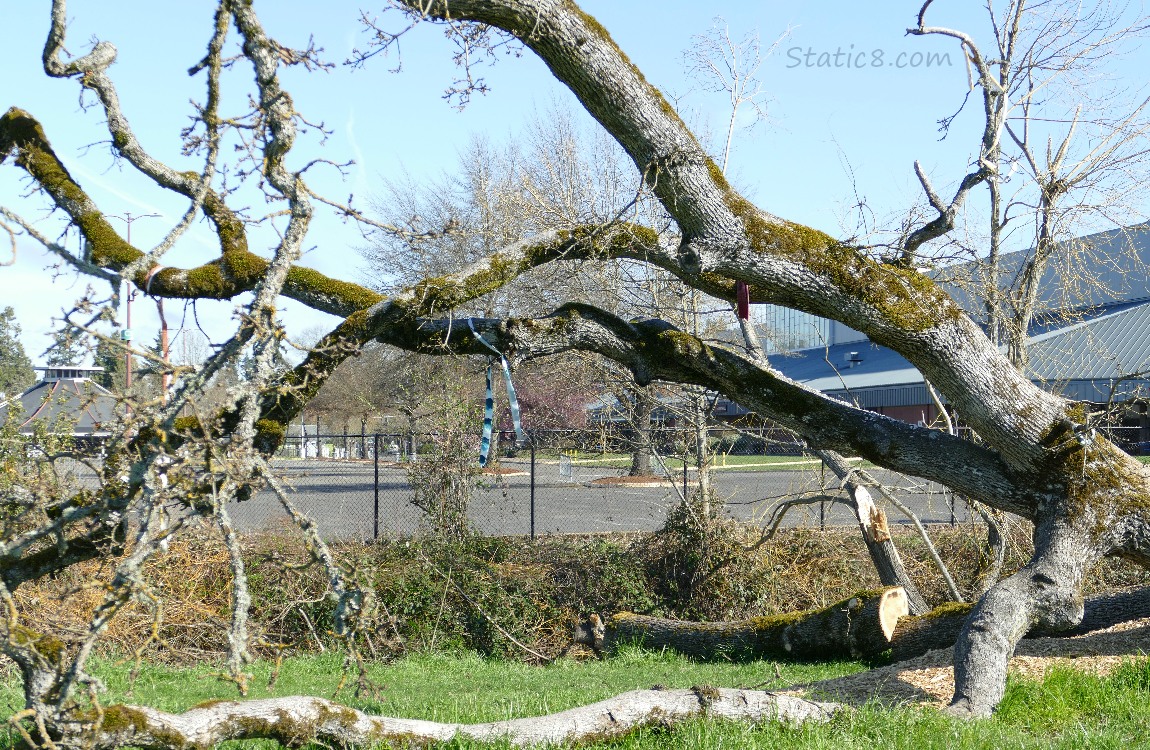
(929, 679)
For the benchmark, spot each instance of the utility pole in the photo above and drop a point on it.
(167, 378)
(126, 336)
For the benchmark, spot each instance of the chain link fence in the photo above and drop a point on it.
(562, 482)
(565, 482)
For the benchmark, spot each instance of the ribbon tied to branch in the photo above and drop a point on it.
(489, 403)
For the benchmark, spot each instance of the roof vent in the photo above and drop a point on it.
(853, 358)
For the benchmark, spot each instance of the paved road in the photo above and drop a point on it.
(342, 497)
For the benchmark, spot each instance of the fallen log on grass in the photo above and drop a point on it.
(939, 628)
(864, 626)
(859, 626)
(915, 635)
(299, 720)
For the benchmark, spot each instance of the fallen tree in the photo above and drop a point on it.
(861, 625)
(1038, 455)
(868, 625)
(297, 721)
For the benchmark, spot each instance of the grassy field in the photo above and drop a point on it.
(1066, 710)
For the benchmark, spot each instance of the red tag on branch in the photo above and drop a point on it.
(743, 297)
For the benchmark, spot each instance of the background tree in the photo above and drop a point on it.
(1062, 151)
(16, 371)
(112, 358)
(67, 348)
(556, 174)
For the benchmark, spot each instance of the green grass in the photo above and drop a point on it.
(444, 687)
(457, 687)
(1066, 710)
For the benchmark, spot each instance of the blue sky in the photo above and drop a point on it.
(836, 132)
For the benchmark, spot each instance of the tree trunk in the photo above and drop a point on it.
(643, 407)
(1044, 592)
(876, 533)
(859, 626)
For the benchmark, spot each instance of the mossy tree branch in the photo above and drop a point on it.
(655, 350)
(238, 270)
(297, 721)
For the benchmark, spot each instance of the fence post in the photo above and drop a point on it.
(532, 490)
(375, 525)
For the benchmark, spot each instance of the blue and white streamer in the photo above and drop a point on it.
(489, 402)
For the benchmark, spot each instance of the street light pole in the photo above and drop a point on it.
(126, 336)
(164, 353)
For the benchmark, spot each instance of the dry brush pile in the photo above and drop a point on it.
(495, 595)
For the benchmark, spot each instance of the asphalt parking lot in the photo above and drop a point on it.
(347, 502)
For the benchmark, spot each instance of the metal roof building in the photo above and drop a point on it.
(1094, 347)
(65, 400)
(1103, 359)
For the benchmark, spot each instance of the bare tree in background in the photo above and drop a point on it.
(1062, 150)
(556, 174)
(1055, 159)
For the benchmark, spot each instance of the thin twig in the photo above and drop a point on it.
(481, 611)
(311, 629)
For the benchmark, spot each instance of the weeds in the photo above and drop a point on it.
(443, 594)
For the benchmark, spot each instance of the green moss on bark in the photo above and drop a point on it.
(35, 155)
(207, 281)
(950, 609)
(906, 298)
(350, 296)
(446, 293)
(1095, 481)
(229, 227)
(50, 648)
(127, 722)
(270, 436)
